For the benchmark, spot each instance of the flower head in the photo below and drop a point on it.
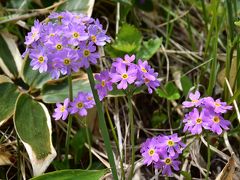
(124, 75)
(218, 106)
(80, 104)
(62, 110)
(104, 84)
(195, 101)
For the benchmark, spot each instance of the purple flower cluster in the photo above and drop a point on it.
(125, 72)
(80, 104)
(64, 43)
(206, 114)
(162, 151)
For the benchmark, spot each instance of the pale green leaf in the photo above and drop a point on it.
(72, 174)
(80, 6)
(32, 123)
(10, 57)
(169, 92)
(33, 78)
(57, 90)
(9, 93)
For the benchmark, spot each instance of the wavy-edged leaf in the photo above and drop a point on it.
(149, 48)
(9, 93)
(10, 57)
(128, 39)
(57, 90)
(33, 78)
(169, 92)
(33, 126)
(82, 6)
(72, 174)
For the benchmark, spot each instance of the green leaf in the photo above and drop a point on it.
(237, 23)
(128, 39)
(82, 6)
(73, 174)
(9, 93)
(149, 48)
(57, 90)
(77, 144)
(186, 84)
(186, 175)
(33, 78)
(169, 92)
(33, 125)
(10, 57)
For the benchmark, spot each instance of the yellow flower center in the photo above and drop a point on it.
(75, 35)
(194, 100)
(59, 46)
(67, 61)
(216, 119)
(170, 143)
(103, 83)
(168, 161)
(151, 152)
(34, 34)
(217, 104)
(79, 105)
(90, 98)
(124, 76)
(144, 70)
(86, 53)
(41, 59)
(94, 38)
(60, 18)
(52, 34)
(199, 120)
(62, 109)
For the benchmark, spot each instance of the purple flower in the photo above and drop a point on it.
(218, 106)
(76, 33)
(66, 61)
(62, 110)
(97, 35)
(34, 35)
(172, 144)
(145, 71)
(199, 120)
(39, 60)
(127, 61)
(150, 151)
(167, 163)
(217, 123)
(104, 84)
(124, 76)
(188, 123)
(195, 101)
(151, 84)
(80, 104)
(87, 54)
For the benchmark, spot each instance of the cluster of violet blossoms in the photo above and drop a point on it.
(64, 43)
(125, 72)
(206, 113)
(162, 151)
(79, 106)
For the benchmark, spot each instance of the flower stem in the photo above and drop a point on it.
(208, 157)
(130, 116)
(102, 125)
(89, 145)
(69, 127)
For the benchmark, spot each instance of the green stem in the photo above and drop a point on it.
(208, 157)
(89, 145)
(102, 124)
(69, 127)
(130, 116)
(19, 177)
